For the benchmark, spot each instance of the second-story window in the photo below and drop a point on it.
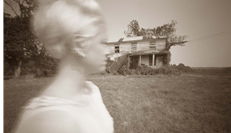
(152, 44)
(117, 49)
(133, 46)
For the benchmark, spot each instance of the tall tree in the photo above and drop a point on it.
(20, 43)
(169, 30)
(142, 32)
(133, 29)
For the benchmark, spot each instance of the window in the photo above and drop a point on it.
(133, 46)
(152, 45)
(117, 49)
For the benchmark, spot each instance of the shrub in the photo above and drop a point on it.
(115, 73)
(145, 70)
(227, 70)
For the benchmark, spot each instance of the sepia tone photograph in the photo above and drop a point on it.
(117, 66)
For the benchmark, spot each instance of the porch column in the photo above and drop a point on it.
(140, 61)
(128, 62)
(153, 58)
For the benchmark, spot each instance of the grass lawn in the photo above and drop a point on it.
(146, 104)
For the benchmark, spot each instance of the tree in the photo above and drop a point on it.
(20, 43)
(168, 30)
(142, 32)
(133, 29)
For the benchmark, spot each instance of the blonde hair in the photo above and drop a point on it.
(57, 21)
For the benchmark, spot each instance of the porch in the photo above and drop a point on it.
(153, 60)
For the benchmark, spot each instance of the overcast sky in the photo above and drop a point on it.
(196, 18)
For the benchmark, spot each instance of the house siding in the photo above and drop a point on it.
(111, 48)
(160, 44)
(144, 45)
(125, 47)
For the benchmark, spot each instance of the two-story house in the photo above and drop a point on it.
(141, 51)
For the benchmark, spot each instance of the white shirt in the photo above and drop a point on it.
(88, 114)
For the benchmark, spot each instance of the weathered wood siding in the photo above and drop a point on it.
(160, 44)
(111, 48)
(144, 45)
(125, 47)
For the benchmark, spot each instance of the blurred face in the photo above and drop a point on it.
(95, 59)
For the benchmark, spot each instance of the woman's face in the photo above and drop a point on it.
(95, 59)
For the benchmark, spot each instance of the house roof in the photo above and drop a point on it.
(137, 38)
(113, 41)
(132, 39)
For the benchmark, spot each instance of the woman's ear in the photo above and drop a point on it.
(78, 45)
(78, 41)
(81, 43)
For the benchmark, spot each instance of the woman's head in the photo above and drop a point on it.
(63, 25)
(71, 28)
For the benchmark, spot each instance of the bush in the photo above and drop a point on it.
(181, 67)
(115, 73)
(227, 70)
(145, 70)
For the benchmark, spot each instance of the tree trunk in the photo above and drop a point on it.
(38, 67)
(17, 70)
(38, 72)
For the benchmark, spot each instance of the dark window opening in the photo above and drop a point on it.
(152, 44)
(117, 49)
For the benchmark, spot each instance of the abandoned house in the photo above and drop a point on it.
(139, 51)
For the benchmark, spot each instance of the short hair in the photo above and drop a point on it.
(56, 21)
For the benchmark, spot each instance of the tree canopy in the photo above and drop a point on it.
(20, 42)
(133, 29)
(168, 30)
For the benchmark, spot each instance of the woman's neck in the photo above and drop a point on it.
(69, 82)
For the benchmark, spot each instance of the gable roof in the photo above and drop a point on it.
(137, 38)
(132, 39)
(113, 41)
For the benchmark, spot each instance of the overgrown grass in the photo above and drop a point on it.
(145, 104)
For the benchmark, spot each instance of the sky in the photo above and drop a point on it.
(196, 19)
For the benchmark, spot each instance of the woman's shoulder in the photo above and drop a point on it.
(57, 121)
(94, 87)
(92, 84)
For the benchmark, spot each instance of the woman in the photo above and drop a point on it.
(72, 31)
